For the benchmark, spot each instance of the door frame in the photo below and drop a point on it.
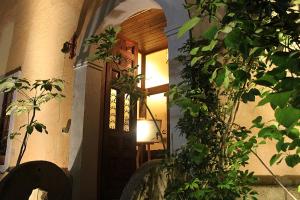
(85, 142)
(105, 104)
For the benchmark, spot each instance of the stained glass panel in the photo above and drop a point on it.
(126, 113)
(113, 109)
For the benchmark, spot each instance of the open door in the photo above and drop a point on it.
(119, 134)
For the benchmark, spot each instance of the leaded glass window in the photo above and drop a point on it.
(113, 109)
(126, 113)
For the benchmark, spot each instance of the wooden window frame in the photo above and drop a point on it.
(4, 125)
(10, 121)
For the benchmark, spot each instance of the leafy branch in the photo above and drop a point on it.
(249, 53)
(33, 97)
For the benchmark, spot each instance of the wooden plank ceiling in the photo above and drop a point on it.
(147, 29)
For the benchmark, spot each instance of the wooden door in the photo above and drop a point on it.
(119, 135)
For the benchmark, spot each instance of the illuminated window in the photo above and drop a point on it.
(113, 109)
(126, 113)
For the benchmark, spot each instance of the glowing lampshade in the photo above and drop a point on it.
(146, 130)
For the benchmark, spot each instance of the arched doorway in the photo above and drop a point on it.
(86, 142)
(143, 34)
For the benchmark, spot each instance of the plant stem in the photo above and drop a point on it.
(157, 127)
(25, 139)
(274, 176)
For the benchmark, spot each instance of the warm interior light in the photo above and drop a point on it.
(146, 130)
(157, 69)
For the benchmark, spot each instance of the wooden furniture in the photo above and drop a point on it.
(141, 147)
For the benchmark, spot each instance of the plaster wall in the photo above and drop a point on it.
(5, 43)
(32, 33)
(248, 112)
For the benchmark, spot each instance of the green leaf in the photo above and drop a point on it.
(266, 80)
(256, 51)
(13, 135)
(298, 150)
(47, 86)
(211, 46)
(188, 25)
(289, 83)
(294, 144)
(58, 84)
(210, 32)
(262, 142)
(250, 96)
(274, 158)
(270, 132)
(257, 121)
(241, 75)
(278, 99)
(38, 127)
(195, 60)
(232, 66)
(285, 60)
(194, 51)
(254, 91)
(279, 145)
(29, 129)
(221, 77)
(299, 185)
(228, 28)
(292, 160)
(214, 75)
(233, 39)
(7, 85)
(247, 97)
(293, 133)
(226, 80)
(287, 116)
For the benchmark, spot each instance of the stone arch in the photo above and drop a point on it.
(124, 10)
(85, 142)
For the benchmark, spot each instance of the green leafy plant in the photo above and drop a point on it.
(32, 97)
(249, 53)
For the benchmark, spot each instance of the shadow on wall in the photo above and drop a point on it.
(75, 171)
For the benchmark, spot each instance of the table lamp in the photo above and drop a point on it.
(147, 131)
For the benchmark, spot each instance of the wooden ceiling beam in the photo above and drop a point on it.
(145, 16)
(156, 49)
(147, 29)
(158, 89)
